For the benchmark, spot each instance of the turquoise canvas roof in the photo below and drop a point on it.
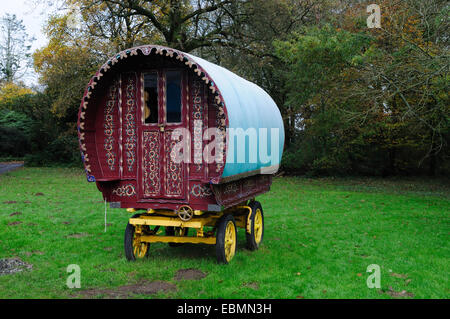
(248, 107)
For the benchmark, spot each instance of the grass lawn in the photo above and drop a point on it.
(320, 236)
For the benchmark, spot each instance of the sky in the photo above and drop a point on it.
(34, 15)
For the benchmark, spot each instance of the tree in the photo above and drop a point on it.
(353, 100)
(15, 47)
(377, 106)
(65, 65)
(10, 93)
(408, 64)
(181, 24)
(249, 50)
(320, 69)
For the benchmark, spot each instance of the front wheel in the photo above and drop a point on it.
(226, 239)
(134, 248)
(255, 223)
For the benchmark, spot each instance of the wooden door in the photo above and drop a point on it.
(163, 109)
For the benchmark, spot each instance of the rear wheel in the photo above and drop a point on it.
(226, 239)
(256, 226)
(176, 231)
(134, 248)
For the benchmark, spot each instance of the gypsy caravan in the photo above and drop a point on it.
(184, 144)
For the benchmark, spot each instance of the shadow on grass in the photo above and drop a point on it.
(194, 252)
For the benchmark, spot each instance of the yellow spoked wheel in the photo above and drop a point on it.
(176, 231)
(226, 239)
(255, 226)
(134, 247)
(140, 249)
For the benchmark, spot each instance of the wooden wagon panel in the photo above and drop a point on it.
(130, 104)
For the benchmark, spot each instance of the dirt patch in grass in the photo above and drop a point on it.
(10, 202)
(189, 274)
(14, 223)
(141, 288)
(34, 252)
(252, 285)
(401, 276)
(15, 213)
(399, 294)
(13, 265)
(77, 235)
(39, 194)
(109, 270)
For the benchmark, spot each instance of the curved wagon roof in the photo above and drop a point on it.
(246, 106)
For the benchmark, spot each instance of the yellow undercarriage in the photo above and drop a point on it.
(200, 219)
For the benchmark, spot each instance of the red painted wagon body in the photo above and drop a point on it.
(127, 119)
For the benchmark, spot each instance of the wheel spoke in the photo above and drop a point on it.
(139, 248)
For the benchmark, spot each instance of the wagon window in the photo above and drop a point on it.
(173, 96)
(151, 97)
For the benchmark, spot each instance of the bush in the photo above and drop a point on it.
(13, 142)
(62, 151)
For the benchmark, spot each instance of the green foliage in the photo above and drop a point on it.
(315, 57)
(14, 96)
(15, 133)
(13, 142)
(366, 102)
(16, 120)
(62, 151)
(29, 129)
